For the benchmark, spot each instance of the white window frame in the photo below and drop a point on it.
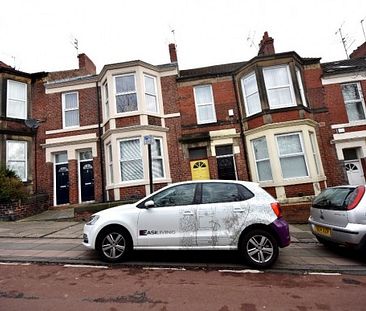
(139, 158)
(159, 158)
(261, 160)
(106, 100)
(110, 163)
(302, 153)
(8, 99)
(126, 93)
(246, 95)
(24, 143)
(211, 103)
(362, 100)
(301, 86)
(64, 110)
(314, 151)
(155, 94)
(290, 86)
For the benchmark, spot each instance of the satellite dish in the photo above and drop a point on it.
(32, 123)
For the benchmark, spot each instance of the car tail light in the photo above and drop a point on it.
(356, 198)
(277, 209)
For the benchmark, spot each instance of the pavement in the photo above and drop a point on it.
(53, 237)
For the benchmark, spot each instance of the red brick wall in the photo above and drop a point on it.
(135, 192)
(127, 121)
(154, 121)
(299, 190)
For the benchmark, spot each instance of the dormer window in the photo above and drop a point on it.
(126, 96)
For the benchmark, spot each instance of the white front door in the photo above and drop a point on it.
(354, 172)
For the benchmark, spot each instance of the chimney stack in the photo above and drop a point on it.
(173, 53)
(266, 46)
(85, 63)
(359, 52)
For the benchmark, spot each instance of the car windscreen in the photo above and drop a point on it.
(333, 198)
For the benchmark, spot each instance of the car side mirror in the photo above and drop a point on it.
(149, 204)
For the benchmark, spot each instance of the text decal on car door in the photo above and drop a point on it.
(152, 232)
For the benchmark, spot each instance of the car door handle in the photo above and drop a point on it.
(239, 210)
(187, 213)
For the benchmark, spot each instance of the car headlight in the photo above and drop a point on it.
(92, 220)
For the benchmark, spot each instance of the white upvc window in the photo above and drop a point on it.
(251, 95)
(301, 87)
(354, 101)
(126, 95)
(262, 160)
(16, 157)
(291, 154)
(110, 163)
(70, 109)
(16, 101)
(314, 151)
(131, 164)
(157, 158)
(205, 106)
(279, 87)
(151, 100)
(106, 100)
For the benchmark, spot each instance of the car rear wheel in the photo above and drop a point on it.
(259, 249)
(113, 244)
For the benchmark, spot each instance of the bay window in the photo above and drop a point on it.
(70, 109)
(16, 157)
(126, 96)
(106, 100)
(353, 99)
(131, 159)
(291, 155)
(150, 94)
(279, 87)
(205, 107)
(261, 157)
(157, 158)
(16, 101)
(251, 94)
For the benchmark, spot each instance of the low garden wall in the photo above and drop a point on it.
(24, 208)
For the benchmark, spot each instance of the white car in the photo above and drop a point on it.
(194, 215)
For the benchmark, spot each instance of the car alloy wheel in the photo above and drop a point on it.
(260, 249)
(113, 245)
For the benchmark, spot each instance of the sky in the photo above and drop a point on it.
(37, 35)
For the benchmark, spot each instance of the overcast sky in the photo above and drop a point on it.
(36, 35)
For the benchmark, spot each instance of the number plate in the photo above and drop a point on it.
(323, 230)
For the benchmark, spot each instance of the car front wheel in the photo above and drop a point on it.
(259, 248)
(113, 244)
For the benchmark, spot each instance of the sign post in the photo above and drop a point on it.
(148, 140)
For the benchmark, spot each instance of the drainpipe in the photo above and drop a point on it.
(241, 128)
(100, 132)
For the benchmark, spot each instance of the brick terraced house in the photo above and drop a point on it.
(291, 124)
(344, 84)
